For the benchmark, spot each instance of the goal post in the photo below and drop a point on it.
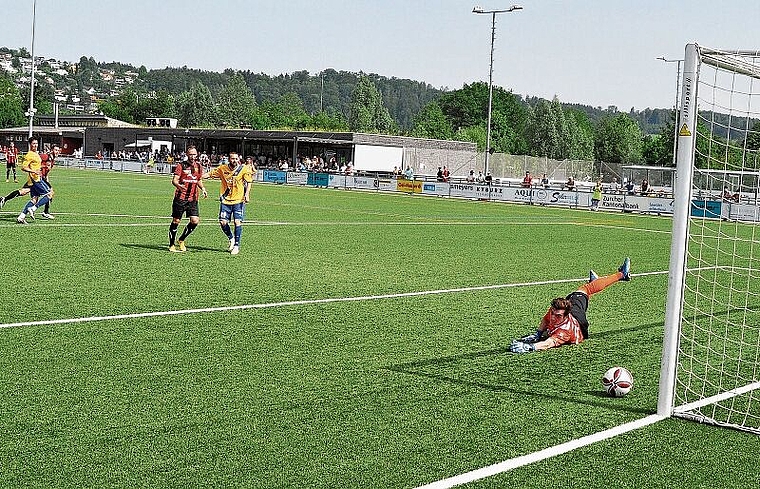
(710, 368)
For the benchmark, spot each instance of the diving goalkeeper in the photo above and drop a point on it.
(565, 322)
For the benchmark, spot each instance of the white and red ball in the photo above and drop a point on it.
(617, 381)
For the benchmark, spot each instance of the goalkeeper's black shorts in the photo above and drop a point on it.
(579, 302)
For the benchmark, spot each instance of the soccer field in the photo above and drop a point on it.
(359, 340)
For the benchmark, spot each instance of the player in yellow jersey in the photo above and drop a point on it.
(40, 191)
(234, 193)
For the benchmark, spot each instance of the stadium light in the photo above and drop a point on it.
(479, 10)
(32, 110)
(678, 88)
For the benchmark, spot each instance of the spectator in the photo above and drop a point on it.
(409, 173)
(645, 187)
(445, 174)
(489, 178)
(615, 186)
(528, 180)
(439, 175)
(570, 184)
(471, 177)
(545, 181)
(728, 196)
(481, 178)
(630, 188)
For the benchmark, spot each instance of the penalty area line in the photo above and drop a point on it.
(516, 462)
(304, 302)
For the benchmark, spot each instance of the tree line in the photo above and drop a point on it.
(342, 101)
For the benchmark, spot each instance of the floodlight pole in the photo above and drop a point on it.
(675, 107)
(32, 110)
(478, 10)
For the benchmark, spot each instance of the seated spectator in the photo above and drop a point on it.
(570, 184)
(615, 186)
(645, 187)
(630, 188)
(729, 197)
(528, 180)
(439, 175)
(545, 181)
(409, 173)
(481, 178)
(471, 177)
(489, 178)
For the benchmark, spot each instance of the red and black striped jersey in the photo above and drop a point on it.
(47, 164)
(190, 175)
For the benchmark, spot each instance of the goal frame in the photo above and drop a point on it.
(683, 193)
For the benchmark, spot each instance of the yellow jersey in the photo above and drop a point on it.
(33, 161)
(234, 182)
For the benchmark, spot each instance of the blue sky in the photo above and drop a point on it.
(594, 51)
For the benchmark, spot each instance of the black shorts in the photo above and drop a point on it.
(186, 207)
(579, 302)
(10, 165)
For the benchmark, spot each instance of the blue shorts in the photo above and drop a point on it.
(39, 189)
(229, 212)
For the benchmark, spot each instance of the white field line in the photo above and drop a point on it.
(516, 462)
(326, 223)
(269, 305)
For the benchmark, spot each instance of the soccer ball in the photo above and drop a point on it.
(617, 381)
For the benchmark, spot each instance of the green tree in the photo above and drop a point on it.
(236, 103)
(618, 140)
(473, 134)
(196, 108)
(368, 114)
(542, 133)
(11, 111)
(581, 133)
(431, 122)
(753, 138)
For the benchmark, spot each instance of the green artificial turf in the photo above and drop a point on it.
(385, 392)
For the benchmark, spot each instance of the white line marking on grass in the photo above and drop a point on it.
(326, 223)
(516, 462)
(304, 302)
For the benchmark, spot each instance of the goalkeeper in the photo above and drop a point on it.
(565, 322)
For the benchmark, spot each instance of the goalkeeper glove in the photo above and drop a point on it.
(520, 347)
(532, 338)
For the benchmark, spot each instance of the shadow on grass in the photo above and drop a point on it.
(164, 248)
(418, 368)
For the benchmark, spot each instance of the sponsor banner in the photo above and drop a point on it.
(435, 188)
(409, 186)
(318, 179)
(528, 195)
(274, 176)
(565, 197)
(298, 178)
(337, 181)
(659, 205)
(706, 208)
(361, 182)
(476, 191)
(741, 212)
(623, 202)
(386, 185)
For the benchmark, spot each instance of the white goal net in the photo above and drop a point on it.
(711, 358)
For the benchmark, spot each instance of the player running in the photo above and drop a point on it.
(565, 322)
(48, 161)
(188, 178)
(235, 192)
(40, 192)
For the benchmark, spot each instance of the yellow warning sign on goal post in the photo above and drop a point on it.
(684, 131)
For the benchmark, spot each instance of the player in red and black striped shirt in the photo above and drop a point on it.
(188, 179)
